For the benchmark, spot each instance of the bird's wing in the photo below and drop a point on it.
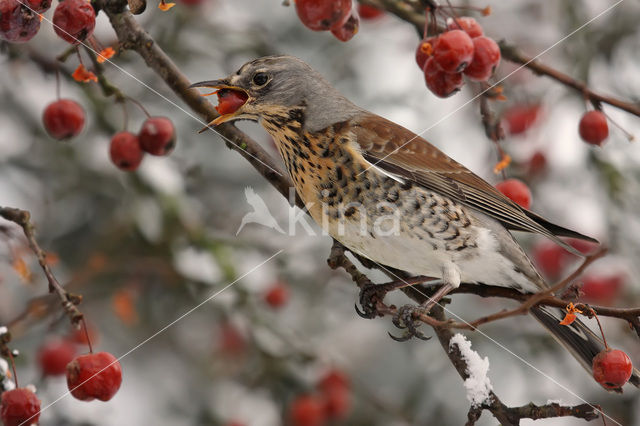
(399, 151)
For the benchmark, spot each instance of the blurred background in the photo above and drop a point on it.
(144, 248)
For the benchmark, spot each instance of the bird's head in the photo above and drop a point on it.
(273, 83)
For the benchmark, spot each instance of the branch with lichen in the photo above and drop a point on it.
(68, 300)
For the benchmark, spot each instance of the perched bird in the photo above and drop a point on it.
(260, 214)
(392, 197)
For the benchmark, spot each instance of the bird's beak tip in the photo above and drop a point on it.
(208, 83)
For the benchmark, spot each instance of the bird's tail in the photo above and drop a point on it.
(583, 343)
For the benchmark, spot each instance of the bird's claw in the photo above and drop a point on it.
(403, 319)
(369, 297)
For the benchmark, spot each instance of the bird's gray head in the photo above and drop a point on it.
(273, 83)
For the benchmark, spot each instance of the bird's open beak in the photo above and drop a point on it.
(219, 85)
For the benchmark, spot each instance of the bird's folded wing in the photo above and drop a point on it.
(400, 152)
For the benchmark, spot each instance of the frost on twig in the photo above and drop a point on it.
(478, 385)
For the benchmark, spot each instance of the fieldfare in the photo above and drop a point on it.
(389, 195)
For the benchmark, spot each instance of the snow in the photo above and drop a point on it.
(478, 385)
(3, 330)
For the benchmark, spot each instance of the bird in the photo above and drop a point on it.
(390, 196)
(260, 214)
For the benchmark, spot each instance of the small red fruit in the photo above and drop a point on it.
(612, 368)
(550, 258)
(307, 410)
(322, 15)
(602, 290)
(453, 51)
(520, 118)
(74, 20)
(467, 24)
(54, 356)
(486, 57)
(125, 151)
(39, 6)
(348, 29)
(593, 127)
(231, 341)
(277, 295)
(94, 376)
(18, 24)
(63, 119)
(369, 12)
(157, 136)
(536, 164)
(19, 406)
(333, 379)
(230, 100)
(424, 51)
(517, 191)
(442, 84)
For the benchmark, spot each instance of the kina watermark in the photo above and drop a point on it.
(381, 219)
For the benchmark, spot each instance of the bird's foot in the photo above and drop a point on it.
(405, 320)
(370, 296)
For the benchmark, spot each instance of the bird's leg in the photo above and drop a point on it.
(372, 294)
(405, 316)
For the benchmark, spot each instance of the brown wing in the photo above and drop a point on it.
(400, 152)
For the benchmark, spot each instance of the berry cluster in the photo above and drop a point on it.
(461, 50)
(73, 20)
(156, 137)
(337, 16)
(331, 403)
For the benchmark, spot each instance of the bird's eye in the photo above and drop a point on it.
(260, 78)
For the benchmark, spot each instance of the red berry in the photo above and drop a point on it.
(602, 290)
(369, 12)
(230, 100)
(537, 163)
(424, 51)
(125, 151)
(337, 403)
(517, 191)
(520, 118)
(54, 356)
(467, 24)
(94, 376)
(612, 368)
(322, 15)
(74, 20)
(39, 6)
(307, 410)
(593, 127)
(18, 24)
(486, 57)
(157, 136)
(550, 258)
(277, 296)
(19, 406)
(348, 29)
(231, 341)
(332, 379)
(442, 84)
(453, 51)
(63, 119)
